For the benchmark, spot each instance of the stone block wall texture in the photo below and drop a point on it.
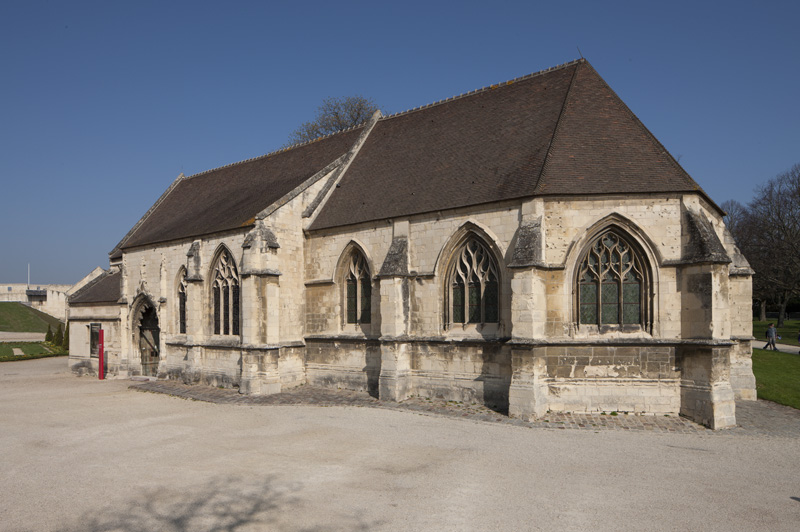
(294, 330)
(80, 360)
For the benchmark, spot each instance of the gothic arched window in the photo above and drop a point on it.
(182, 303)
(613, 283)
(474, 285)
(225, 295)
(358, 290)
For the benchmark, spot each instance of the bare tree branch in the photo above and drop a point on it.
(334, 114)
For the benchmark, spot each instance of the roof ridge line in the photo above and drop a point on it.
(556, 129)
(670, 159)
(486, 88)
(275, 152)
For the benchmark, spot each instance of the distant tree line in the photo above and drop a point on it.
(767, 231)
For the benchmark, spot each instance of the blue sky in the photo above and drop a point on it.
(105, 103)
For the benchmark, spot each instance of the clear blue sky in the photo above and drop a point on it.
(105, 103)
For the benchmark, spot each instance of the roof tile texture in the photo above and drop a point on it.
(104, 289)
(484, 147)
(600, 147)
(231, 196)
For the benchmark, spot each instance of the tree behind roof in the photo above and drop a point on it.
(335, 114)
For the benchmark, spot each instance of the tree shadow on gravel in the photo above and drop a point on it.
(230, 504)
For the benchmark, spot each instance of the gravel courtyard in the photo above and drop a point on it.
(85, 455)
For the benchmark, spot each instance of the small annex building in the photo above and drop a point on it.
(529, 245)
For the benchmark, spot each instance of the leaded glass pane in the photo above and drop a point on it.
(474, 302)
(182, 312)
(352, 301)
(226, 307)
(609, 296)
(491, 303)
(609, 293)
(631, 293)
(366, 301)
(216, 310)
(458, 302)
(631, 314)
(610, 314)
(588, 294)
(235, 293)
(589, 314)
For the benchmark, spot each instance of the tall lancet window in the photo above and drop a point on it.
(474, 285)
(225, 295)
(358, 290)
(612, 283)
(182, 303)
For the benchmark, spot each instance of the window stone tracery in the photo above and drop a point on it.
(474, 285)
(613, 283)
(358, 290)
(225, 295)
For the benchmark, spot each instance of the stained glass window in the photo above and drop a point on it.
(182, 304)
(358, 286)
(474, 288)
(226, 295)
(611, 283)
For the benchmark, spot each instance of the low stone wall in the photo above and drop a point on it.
(352, 364)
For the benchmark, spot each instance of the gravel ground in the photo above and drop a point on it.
(87, 455)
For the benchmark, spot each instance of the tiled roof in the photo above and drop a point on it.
(104, 289)
(230, 197)
(561, 131)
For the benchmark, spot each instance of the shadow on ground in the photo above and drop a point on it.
(230, 504)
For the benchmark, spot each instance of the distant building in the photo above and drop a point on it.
(48, 298)
(529, 245)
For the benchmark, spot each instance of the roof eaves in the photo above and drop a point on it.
(118, 248)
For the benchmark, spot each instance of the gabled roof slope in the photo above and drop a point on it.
(560, 131)
(486, 146)
(600, 147)
(229, 197)
(104, 289)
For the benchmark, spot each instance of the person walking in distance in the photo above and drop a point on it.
(772, 334)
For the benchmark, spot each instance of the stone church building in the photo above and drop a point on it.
(529, 245)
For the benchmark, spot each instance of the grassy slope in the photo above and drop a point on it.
(777, 376)
(16, 317)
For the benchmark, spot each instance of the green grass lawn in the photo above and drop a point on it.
(777, 376)
(16, 317)
(788, 332)
(31, 350)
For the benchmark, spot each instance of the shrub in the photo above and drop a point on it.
(58, 339)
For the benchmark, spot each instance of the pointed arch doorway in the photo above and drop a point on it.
(147, 339)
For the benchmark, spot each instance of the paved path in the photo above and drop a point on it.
(17, 351)
(83, 455)
(21, 337)
(753, 417)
